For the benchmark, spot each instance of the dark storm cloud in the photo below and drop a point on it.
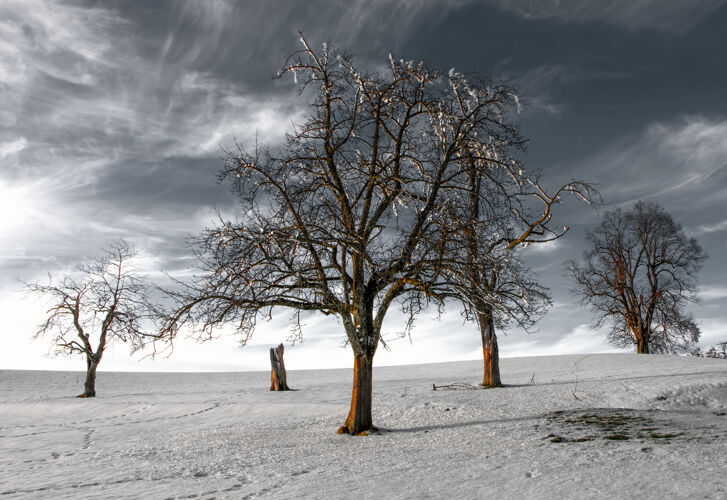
(113, 114)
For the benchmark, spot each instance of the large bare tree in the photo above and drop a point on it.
(349, 216)
(104, 302)
(638, 272)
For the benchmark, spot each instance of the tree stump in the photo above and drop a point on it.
(277, 375)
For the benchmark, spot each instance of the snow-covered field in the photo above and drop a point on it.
(584, 426)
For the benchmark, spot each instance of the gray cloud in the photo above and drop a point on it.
(711, 228)
(110, 138)
(713, 293)
(538, 85)
(683, 161)
(9, 148)
(121, 111)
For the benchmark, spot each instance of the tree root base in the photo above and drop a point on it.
(86, 396)
(344, 430)
(490, 386)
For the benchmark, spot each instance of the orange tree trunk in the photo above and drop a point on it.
(490, 351)
(642, 344)
(359, 418)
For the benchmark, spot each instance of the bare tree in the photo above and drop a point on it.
(106, 297)
(349, 216)
(503, 209)
(718, 351)
(507, 209)
(638, 273)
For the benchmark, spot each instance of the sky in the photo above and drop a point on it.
(114, 112)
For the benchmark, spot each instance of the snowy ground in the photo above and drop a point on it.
(597, 426)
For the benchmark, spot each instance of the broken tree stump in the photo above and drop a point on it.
(277, 375)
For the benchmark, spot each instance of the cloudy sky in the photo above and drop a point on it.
(112, 114)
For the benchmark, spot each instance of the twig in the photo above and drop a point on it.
(575, 387)
(454, 386)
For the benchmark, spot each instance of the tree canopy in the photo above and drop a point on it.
(638, 273)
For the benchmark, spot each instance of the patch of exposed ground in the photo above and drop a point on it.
(623, 424)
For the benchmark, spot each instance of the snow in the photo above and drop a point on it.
(225, 435)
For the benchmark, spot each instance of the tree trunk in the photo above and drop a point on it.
(359, 419)
(490, 351)
(89, 388)
(278, 376)
(642, 344)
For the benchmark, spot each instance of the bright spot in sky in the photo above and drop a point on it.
(8, 148)
(12, 212)
(25, 206)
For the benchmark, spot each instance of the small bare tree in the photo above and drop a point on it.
(638, 273)
(106, 298)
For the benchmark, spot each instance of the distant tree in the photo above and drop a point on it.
(638, 273)
(350, 215)
(105, 297)
(718, 351)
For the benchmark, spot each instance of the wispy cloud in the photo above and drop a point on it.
(8, 148)
(667, 15)
(95, 106)
(547, 247)
(710, 293)
(713, 331)
(128, 118)
(682, 161)
(712, 228)
(87, 91)
(538, 84)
